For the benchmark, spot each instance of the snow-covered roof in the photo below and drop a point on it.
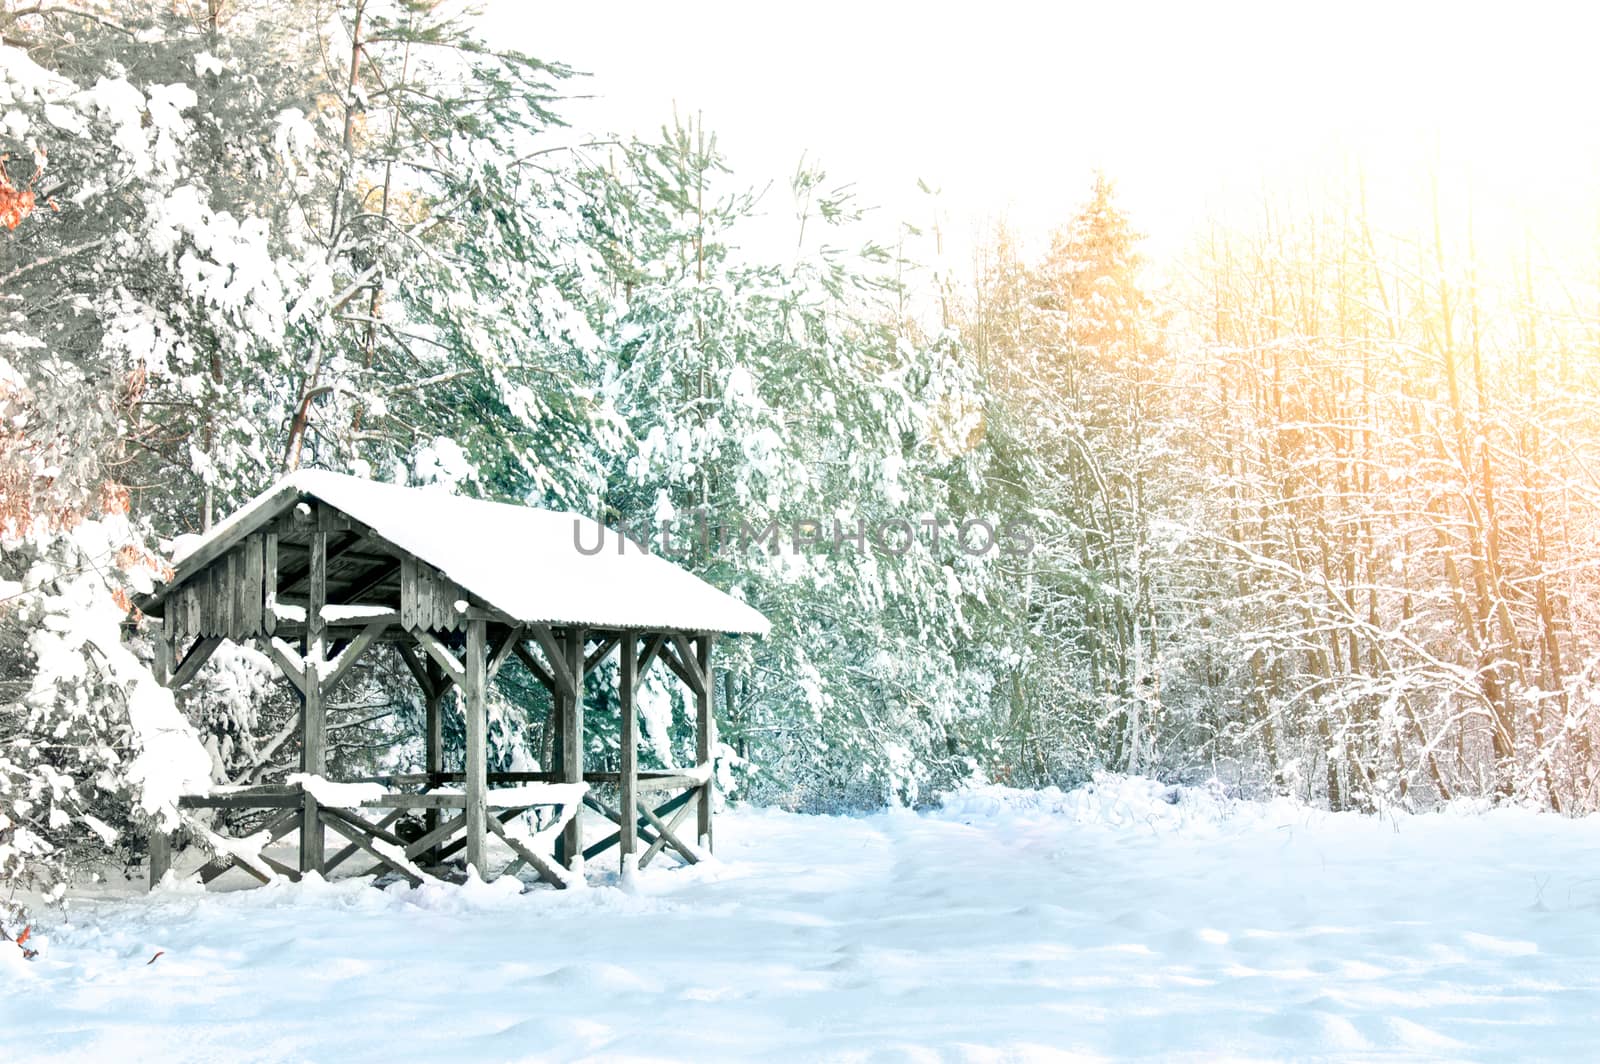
(523, 561)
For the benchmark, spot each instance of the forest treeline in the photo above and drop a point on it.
(1315, 517)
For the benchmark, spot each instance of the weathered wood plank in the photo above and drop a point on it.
(533, 665)
(192, 626)
(573, 748)
(269, 581)
(669, 657)
(627, 689)
(172, 621)
(351, 849)
(379, 830)
(474, 705)
(291, 664)
(225, 862)
(419, 801)
(355, 836)
(435, 835)
(314, 729)
(601, 652)
(408, 592)
(652, 648)
(667, 832)
(433, 721)
(688, 658)
(160, 856)
(705, 735)
(448, 851)
(415, 666)
(291, 874)
(555, 656)
(351, 654)
(161, 645)
(422, 589)
(234, 593)
(441, 654)
(453, 618)
(502, 651)
(550, 873)
(194, 660)
(379, 575)
(202, 587)
(252, 596)
(239, 801)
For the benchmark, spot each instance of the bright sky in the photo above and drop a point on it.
(1008, 107)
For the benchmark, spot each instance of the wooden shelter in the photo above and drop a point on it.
(323, 569)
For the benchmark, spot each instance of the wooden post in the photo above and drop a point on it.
(433, 696)
(314, 728)
(269, 582)
(477, 781)
(628, 823)
(160, 856)
(161, 641)
(572, 746)
(160, 843)
(705, 736)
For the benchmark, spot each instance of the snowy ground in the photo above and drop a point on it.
(1102, 924)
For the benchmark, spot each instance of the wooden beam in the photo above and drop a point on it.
(288, 661)
(652, 648)
(227, 861)
(474, 698)
(351, 654)
(252, 599)
(670, 656)
(275, 828)
(599, 653)
(440, 653)
(560, 668)
(352, 849)
(627, 689)
(533, 665)
(688, 658)
(450, 850)
(194, 660)
(573, 745)
(378, 576)
(705, 735)
(269, 582)
(667, 830)
(294, 577)
(418, 801)
(418, 673)
(377, 831)
(240, 801)
(552, 874)
(314, 726)
(486, 612)
(355, 836)
(433, 741)
(502, 651)
(161, 646)
(435, 835)
(160, 856)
